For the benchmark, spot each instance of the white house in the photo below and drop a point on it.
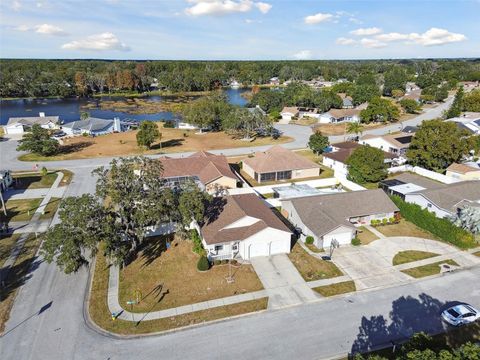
(469, 121)
(445, 201)
(6, 180)
(340, 115)
(18, 125)
(93, 126)
(288, 113)
(393, 143)
(308, 112)
(243, 226)
(334, 218)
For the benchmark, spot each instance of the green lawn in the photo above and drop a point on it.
(51, 208)
(405, 228)
(310, 267)
(370, 185)
(365, 235)
(20, 210)
(6, 245)
(336, 289)
(427, 270)
(407, 256)
(313, 248)
(34, 180)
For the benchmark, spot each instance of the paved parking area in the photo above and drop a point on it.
(370, 266)
(281, 280)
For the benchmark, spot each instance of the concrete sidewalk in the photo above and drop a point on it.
(115, 307)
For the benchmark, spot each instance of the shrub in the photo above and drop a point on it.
(44, 171)
(217, 262)
(391, 220)
(374, 222)
(309, 240)
(233, 262)
(356, 241)
(197, 242)
(169, 124)
(384, 221)
(224, 262)
(442, 228)
(203, 264)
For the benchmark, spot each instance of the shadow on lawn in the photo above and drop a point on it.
(167, 144)
(153, 247)
(408, 316)
(71, 148)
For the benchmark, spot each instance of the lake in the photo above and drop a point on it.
(69, 109)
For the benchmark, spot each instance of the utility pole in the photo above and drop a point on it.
(3, 205)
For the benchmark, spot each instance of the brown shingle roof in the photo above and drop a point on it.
(290, 109)
(341, 113)
(206, 166)
(225, 211)
(346, 145)
(344, 153)
(324, 213)
(278, 158)
(462, 168)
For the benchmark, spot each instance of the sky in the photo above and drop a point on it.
(239, 29)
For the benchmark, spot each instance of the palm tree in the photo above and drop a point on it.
(354, 128)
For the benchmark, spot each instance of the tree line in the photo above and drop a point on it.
(37, 78)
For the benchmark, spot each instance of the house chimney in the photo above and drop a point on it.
(116, 124)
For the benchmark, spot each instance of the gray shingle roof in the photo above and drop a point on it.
(92, 124)
(324, 213)
(31, 120)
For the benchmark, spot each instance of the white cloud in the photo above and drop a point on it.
(431, 37)
(98, 42)
(317, 18)
(372, 43)
(303, 55)
(345, 41)
(22, 28)
(224, 7)
(366, 31)
(48, 29)
(16, 5)
(263, 7)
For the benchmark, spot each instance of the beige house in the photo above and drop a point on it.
(278, 163)
(211, 172)
(463, 171)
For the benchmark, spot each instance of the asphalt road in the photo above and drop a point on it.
(314, 331)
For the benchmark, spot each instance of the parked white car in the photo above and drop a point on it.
(460, 315)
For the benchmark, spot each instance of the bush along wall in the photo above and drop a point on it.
(442, 228)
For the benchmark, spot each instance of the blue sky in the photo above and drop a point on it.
(239, 29)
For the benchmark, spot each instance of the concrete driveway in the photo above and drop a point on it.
(284, 285)
(371, 266)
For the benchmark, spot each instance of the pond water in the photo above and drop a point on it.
(69, 109)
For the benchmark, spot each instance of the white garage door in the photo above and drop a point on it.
(258, 249)
(343, 238)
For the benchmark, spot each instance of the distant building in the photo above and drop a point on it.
(257, 108)
(393, 143)
(18, 125)
(347, 101)
(93, 126)
(274, 81)
(464, 171)
(469, 121)
(289, 112)
(340, 115)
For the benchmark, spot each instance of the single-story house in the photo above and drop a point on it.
(274, 81)
(413, 95)
(289, 112)
(337, 158)
(308, 112)
(243, 226)
(470, 85)
(93, 126)
(347, 101)
(335, 217)
(411, 86)
(18, 125)
(340, 115)
(211, 172)
(407, 183)
(187, 126)
(393, 143)
(469, 171)
(447, 200)
(469, 121)
(6, 180)
(278, 163)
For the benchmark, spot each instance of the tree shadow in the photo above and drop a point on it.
(153, 247)
(71, 148)
(214, 209)
(167, 144)
(409, 315)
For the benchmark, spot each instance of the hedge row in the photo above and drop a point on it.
(442, 228)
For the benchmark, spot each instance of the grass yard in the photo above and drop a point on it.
(427, 270)
(20, 210)
(173, 140)
(313, 248)
(310, 267)
(18, 274)
(366, 236)
(168, 279)
(6, 245)
(34, 180)
(405, 228)
(477, 253)
(336, 289)
(100, 314)
(370, 186)
(341, 129)
(408, 256)
(67, 177)
(51, 208)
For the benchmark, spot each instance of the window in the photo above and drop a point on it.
(282, 175)
(235, 247)
(267, 177)
(218, 247)
(429, 205)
